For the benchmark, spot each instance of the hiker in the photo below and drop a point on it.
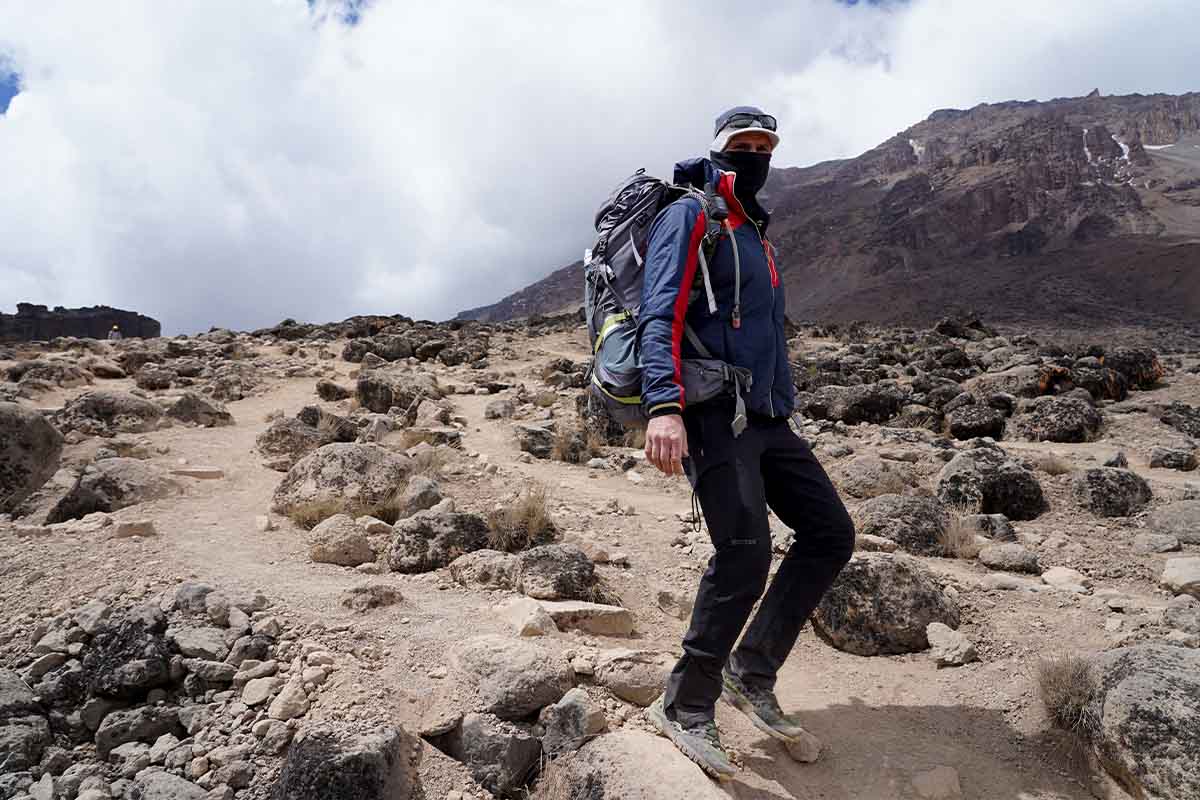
(738, 464)
(115, 333)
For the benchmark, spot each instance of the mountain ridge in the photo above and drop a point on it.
(1083, 208)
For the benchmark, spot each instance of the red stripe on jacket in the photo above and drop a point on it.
(681, 301)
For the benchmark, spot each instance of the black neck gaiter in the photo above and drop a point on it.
(751, 169)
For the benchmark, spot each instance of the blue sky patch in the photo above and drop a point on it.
(9, 86)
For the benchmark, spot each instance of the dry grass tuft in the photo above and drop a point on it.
(524, 524)
(429, 462)
(309, 515)
(414, 436)
(1052, 464)
(574, 445)
(958, 539)
(329, 427)
(1069, 688)
(545, 399)
(554, 782)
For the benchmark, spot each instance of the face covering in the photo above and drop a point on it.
(751, 169)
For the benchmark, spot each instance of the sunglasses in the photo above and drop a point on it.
(751, 121)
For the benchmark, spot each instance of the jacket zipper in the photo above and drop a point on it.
(770, 282)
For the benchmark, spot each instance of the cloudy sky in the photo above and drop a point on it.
(235, 162)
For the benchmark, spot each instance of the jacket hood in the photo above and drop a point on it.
(696, 172)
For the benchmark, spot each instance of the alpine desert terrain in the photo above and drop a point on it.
(387, 559)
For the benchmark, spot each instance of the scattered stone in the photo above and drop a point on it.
(527, 617)
(129, 528)
(1146, 543)
(939, 783)
(635, 676)
(512, 678)
(200, 473)
(1061, 419)
(193, 408)
(1067, 579)
(1168, 458)
(975, 421)
(367, 596)
(339, 540)
(594, 618)
(948, 647)
(362, 477)
(1010, 557)
(570, 723)
(1183, 613)
(488, 569)
(634, 765)
(1180, 519)
(1182, 575)
(500, 754)
(291, 702)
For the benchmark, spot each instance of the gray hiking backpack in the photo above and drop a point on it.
(613, 277)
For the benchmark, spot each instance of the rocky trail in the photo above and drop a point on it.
(403, 641)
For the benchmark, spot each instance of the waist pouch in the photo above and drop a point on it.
(706, 378)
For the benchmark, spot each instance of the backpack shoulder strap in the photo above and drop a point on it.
(690, 333)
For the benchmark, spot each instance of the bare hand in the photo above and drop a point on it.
(666, 443)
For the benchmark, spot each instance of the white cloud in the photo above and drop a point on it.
(229, 162)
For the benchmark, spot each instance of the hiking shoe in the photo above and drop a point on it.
(700, 743)
(762, 707)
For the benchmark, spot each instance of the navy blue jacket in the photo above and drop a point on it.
(671, 268)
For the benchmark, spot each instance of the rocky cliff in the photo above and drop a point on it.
(39, 323)
(1084, 210)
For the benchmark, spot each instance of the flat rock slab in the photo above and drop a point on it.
(1182, 575)
(200, 473)
(594, 618)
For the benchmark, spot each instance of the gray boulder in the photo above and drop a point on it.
(537, 440)
(156, 784)
(286, 441)
(511, 678)
(881, 604)
(106, 412)
(985, 480)
(193, 408)
(1183, 614)
(916, 524)
(1010, 557)
(502, 756)
(974, 421)
(30, 452)
(1180, 519)
(352, 478)
(379, 391)
(339, 540)
(1171, 458)
(140, 724)
(331, 763)
(557, 572)
(1148, 711)
(429, 540)
(112, 484)
(570, 723)
(1061, 419)
(489, 569)
(1110, 492)
(24, 730)
(632, 765)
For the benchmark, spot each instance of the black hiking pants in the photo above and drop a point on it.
(736, 479)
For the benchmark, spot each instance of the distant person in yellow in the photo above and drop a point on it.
(115, 333)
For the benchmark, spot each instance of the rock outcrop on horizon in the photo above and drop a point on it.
(34, 323)
(1084, 211)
